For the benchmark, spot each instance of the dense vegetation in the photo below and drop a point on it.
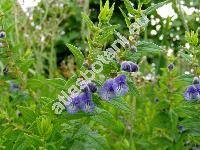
(65, 82)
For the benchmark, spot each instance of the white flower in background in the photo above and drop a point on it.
(158, 27)
(153, 32)
(38, 27)
(166, 11)
(188, 11)
(153, 22)
(187, 45)
(170, 52)
(157, 20)
(42, 39)
(187, 72)
(161, 37)
(177, 28)
(177, 37)
(32, 24)
(28, 4)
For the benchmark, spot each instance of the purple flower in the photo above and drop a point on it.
(120, 86)
(181, 128)
(90, 87)
(107, 91)
(170, 67)
(134, 67)
(86, 104)
(13, 87)
(73, 104)
(125, 66)
(129, 66)
(192, 92)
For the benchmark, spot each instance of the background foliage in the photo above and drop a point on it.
(36, 64)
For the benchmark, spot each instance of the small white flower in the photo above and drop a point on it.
(187, 45)
(158, 27)
(153, 32)
(161, 37)
(187, 72)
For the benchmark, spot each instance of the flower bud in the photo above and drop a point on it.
(170, 67)
(195, 80)
(2, 34)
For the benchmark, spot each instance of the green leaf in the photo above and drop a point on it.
(89, 23)
(77, 54)
(148, 47)
(106, 33)
(120, 104)
(56, 83)
(106, 119)
(71, 81)
(127, 20)
(130, 8)
(186, 57)
(154, 7)
(132, 87)
(27, 114)
(105, 12)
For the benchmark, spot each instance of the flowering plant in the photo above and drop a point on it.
(74, 75)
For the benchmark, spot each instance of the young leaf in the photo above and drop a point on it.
(28, 114)
(127, 20)
(130, 8)
(105, 12)
(77, 54)
(154, 7)
(148, 47)
(106, 33)
(89, 23)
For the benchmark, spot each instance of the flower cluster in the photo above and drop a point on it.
(110, 89)
(83, 101)
(129, 66)
(114, 87)
(193, 91)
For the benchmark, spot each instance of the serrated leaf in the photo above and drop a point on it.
(77, 54)
(106, 33)
(28, 115)
(127, 20)
(105, 12)
(186, 57)
(148, 47)
(154, 7)
(72, 80)
(132, 88)
(130, 8)
(56, 83)
(120, 104)
(89, 23)
(185, 77)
